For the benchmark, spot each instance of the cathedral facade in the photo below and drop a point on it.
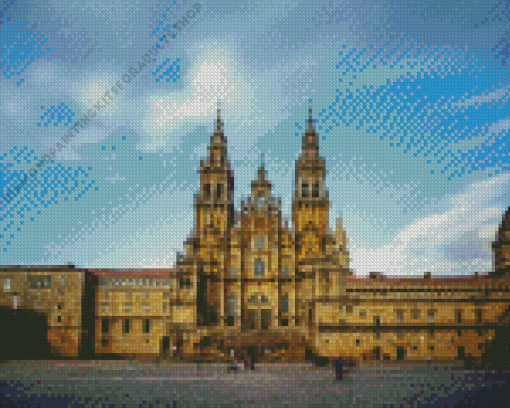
(250, 281)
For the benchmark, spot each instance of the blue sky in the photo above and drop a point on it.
(410, 100)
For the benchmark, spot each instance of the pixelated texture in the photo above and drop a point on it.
(20, 48)
(56, 115)
(172, 71)
(221, 203)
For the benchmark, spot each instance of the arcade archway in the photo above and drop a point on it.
(23, 335)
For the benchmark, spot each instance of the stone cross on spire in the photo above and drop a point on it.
(310, 120)
(218, 120)
(262, 170)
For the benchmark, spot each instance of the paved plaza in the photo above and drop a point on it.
(141, 384)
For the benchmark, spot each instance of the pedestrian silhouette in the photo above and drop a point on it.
(339, 368)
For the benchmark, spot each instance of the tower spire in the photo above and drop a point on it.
(310, 119)
(218, 119)
(262, 169)
(310, 139)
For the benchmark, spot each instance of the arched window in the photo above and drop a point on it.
(231, 305)
(315, 192)
(259, 267)
(285, 303)
(260, 244)
(304, 190)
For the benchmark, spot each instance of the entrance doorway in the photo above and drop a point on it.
(24, 335)
(400, 353)
(165, 346)
(258, 319)
(265, 319)
(251, 321)
(377, 353)
(461, 352)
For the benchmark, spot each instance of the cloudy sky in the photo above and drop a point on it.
(410, 101)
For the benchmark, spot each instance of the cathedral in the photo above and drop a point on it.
(252, 269)
(252, 282)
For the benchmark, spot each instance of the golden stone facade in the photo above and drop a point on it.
(250, 281)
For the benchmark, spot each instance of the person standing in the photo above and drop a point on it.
(339, 368)
(234, 361)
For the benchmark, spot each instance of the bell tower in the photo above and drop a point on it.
(501, 247)
(310, 206)
(310, 215)
(214, 218)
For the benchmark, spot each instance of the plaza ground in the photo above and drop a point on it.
(147, 384)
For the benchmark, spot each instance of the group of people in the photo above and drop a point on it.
(249, 363)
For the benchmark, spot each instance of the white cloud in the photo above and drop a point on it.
(214, 78)
(485, 97)
(457, 241)
(115, 178)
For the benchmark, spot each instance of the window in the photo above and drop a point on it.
(185, 283)
(416, 314)
(7, 285)
(264, 299)
(207, 188)
(166, 295)
(233, 270)
(377, 320)
(59, 319)
(458, 315)
(62, 279)
(146, 326)
(59, 307)
(219, 188)
(315, 192)
(285, 303)
(479, 315)
(400, 316)
(253, 299)
(286, 270)
(260, 244)
(106, 294)
(126, 326)
(40, 282)
(430, 316)
(259, 267)
(304, 190)
(357, 342)
(231, 305)
(105, 326)
(362, 313)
